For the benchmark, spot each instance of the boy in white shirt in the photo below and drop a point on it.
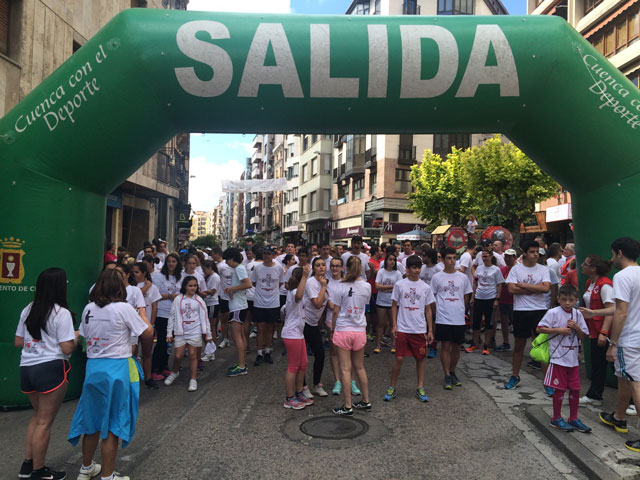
(412, 325)
(452, 291)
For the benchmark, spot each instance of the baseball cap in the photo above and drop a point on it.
(510, 251)
(485, 242)
(269, 249)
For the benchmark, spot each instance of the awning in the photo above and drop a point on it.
(611, 17)
(441, 230)
(415, 235)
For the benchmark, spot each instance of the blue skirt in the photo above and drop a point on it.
(109, 400)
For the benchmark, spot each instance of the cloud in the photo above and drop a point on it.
(205, 188)
(244, 6)
(243, 146)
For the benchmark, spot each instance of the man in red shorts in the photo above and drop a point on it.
(412, 325)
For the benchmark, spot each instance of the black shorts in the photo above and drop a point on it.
(212, 311)
(250, 305)
(450, 333)
(525, 322)
(266, 315)
(44, 377)
(382, 306)
(483, 308)
(283, 300)
(239, 316)
(224, 305)
(506, 309)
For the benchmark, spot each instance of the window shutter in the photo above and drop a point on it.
(4, 26)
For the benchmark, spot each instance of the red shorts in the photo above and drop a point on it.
(411, 345)
(562, 378)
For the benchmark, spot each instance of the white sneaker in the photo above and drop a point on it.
(88, 473)
(193, 385)
(224, 343)
(253, 334)
(320, 391)
(589, 401)
(118, 477)
(631, 411)
(307, 392)
(205, 357)
(171, 378)
(275, 334)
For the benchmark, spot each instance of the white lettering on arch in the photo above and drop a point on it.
(321, 82)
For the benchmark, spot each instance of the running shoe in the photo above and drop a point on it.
(26, 469)
(561, 424)
(578, 425)
(118, 477)
(354, 388)
(321, 392)
(224, 343)
(236, 372)
(631, 411)
(370, 338)
(156, 377)
(165, 373)
(361, 405)
(534, 364)
(611, 420)
(377, 350)
(253, 334)
(505, 347)
(302, 398)
(306, 392)
(633, 445)
(259, 361)
(232, 367)
(171, 378)
(512, 383)
(205, 357)
(590, 401)
(390, 395)
(472, 349)
(151, 384)
(455, 380)
(447, 384)
(343, 411)
(393, 350)
(193, 385)
(267, 357)
(45, 473)
(275, 335)
(337, 388)
(422, 395)
(87, 473)
(200, 366)
(432, 353)
(485, 351)
(548, 391)
(293, 403)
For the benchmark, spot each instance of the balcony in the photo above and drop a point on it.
(255, 203)
(406, 155)
(354, 165)
(257, 142)
(315, 216)
(256, 157)
(341, 171)
(255, 220)
(370, 158)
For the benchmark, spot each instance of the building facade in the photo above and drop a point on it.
(292, 229)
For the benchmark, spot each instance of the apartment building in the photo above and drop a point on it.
(36, 37)
(371, 172)
(292, 229)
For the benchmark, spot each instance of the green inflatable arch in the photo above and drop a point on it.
(149, 74)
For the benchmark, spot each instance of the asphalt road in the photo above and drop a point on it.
(237, 428)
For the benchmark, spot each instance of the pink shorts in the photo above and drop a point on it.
(562, 378)
(350, 340)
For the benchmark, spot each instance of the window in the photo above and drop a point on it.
(373, 182)
(313, 201)
(590, 5)
(314, 138)
(361, 8)
(394, 217)
(617, 37)
(303, 205)
(305, 142)
(455, 7)
(5, 15)
(343, 191)
(403, 181)
(326, 195)
(377, 10)
(410, 7)
(305, 172)
(296, 170)
(314, 167)
(634, 77)
(294, 217)
(358, 188)
(295, 194)
(442, 143)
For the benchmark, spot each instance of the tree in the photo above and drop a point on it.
(205, 241)
(503, 179)
(440, 191)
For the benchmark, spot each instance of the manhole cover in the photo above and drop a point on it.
(334, 428)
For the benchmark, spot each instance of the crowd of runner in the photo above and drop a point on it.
(413, 300)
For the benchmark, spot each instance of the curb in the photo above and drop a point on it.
(590, 465)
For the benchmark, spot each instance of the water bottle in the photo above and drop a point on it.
(169, 348)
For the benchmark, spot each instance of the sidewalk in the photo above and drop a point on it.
(600, 454)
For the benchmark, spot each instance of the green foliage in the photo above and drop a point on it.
(258, 240)
(205, 241)
(440, 191)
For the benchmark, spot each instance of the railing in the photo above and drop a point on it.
(370, 158)
(406, 155)
(355, 165)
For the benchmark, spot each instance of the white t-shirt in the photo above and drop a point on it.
(554, 280)
(352, 297)
(466, 261)
(213, 283)
(626, 287)
(294, 318)
(364, 259)
(332, 288)
(108, 330)
(189, 312)
(239, 300)
(267, 281)
(166, 286)
(606, 294)
(135, 298)
(402, 257)
(412, 298)
(533, 276)
(563, 349)
(488, 279)
(499, 259)
(401, 268)
(449, 290)
(386, 277)
(555, 266)
(251, 292)
(152, 296)
(280, 258)
(312, 290)
(471, 226)
(202, 283)
(427, 273)
(226, 275)
(287, 276)
(59, 327)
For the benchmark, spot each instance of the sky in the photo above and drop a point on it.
(216, 157)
